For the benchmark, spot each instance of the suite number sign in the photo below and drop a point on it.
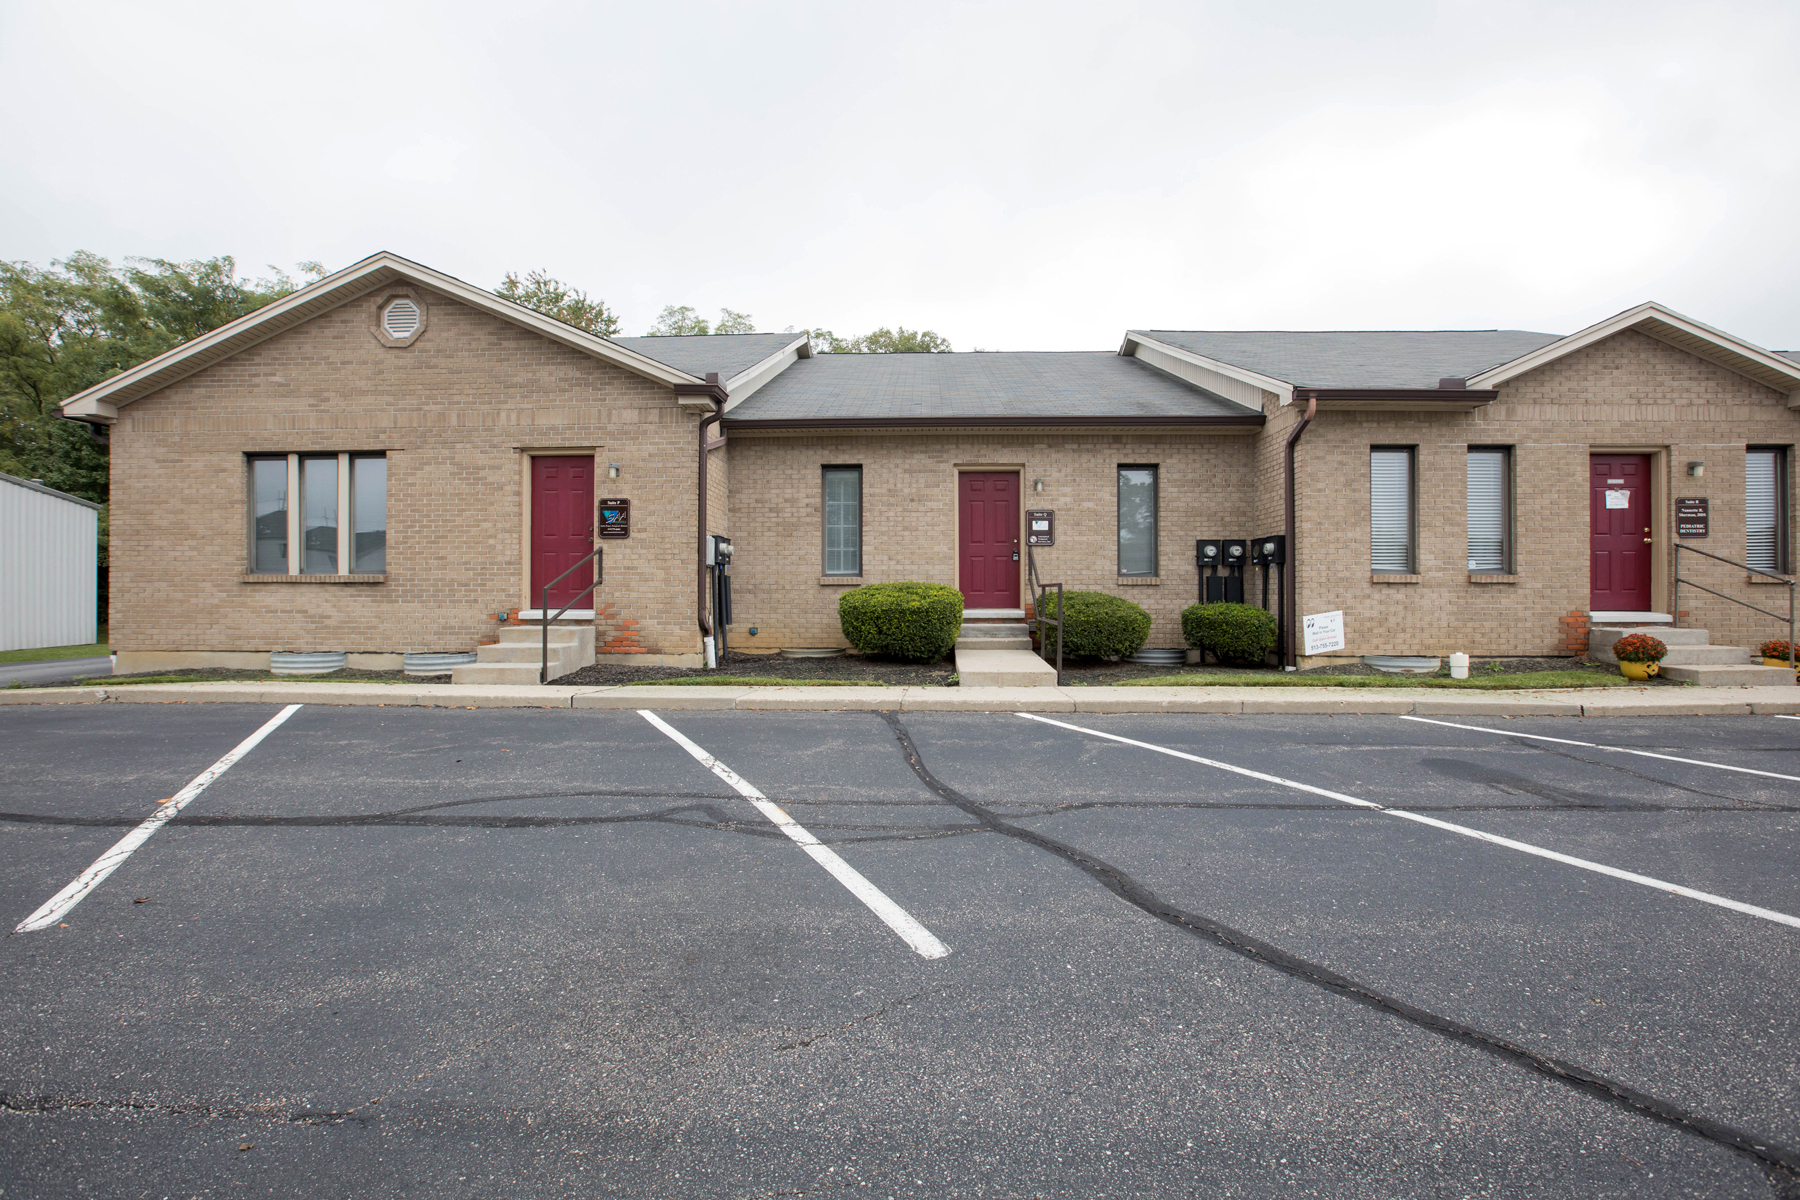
(615, 518)
(1691, 519)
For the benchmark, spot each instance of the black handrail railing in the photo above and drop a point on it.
(1679, 547)
(544, 604)
(1038, 620)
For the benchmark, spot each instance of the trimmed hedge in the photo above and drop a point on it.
(1098, 625)
(1239, 633)
(916, 621)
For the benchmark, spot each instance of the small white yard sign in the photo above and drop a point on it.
(1324, 631)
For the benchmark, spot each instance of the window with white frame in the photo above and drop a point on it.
(1765, 508)
(843, 520)
(1392, 528)
(1490, 510)
(318, 514)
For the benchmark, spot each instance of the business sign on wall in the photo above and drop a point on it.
(1323, 632)
(1691, 518)
(615, 518)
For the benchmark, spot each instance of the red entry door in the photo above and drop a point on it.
(987, 551)
(562, 526)
(1619, 532)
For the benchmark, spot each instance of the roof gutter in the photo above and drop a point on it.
(714, 392)
(1290, 581)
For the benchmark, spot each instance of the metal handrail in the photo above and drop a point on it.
(1038, 592)
(544, 603)
(1679, 547)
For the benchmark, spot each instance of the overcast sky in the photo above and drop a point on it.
(1016, 176)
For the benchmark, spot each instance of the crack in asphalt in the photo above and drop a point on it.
(1780, 1164)
(850, 1024)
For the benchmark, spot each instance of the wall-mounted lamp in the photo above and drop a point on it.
(612, 470)
(1037, 485)
(1696, 469)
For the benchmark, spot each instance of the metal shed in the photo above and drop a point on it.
(49, 545)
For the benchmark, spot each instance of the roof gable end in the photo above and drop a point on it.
(101, 403)
(1666, 325)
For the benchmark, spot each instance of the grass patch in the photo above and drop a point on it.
(1489, 683)
(753, 681)
(238, 677)
(52, 653)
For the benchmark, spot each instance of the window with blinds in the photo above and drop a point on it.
(1490, 510)
(1765, 509)
(843, 520)
(1391, 548)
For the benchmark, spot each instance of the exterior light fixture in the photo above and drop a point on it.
(612, 470)
(1696, 469)
(1037, 485)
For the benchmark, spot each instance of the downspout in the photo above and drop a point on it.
(713, 390)
(1290, 577)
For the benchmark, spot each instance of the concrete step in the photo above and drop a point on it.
(995, 635)
(1730, 676)
(1002, 668)
(531, 633)
(1602, 637)
(521, 674)
(532, 651)
(1708, 656)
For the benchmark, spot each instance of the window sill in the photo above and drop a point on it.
(1140, 581)
(1765, 580)
(271, 578)
(840, 580)
(1375, 578)
(1478, 577)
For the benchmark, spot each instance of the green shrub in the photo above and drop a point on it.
(1239, 633)
(1098, 625)
(919, 621)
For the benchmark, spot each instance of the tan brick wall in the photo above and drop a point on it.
(909, 515)
(455, 411)
(1627, 392)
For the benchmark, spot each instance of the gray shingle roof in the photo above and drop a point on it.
(1793, 354)
(726, 353)
(1371, 359)
(1086, 385)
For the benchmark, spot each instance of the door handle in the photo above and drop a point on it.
(1646, 541)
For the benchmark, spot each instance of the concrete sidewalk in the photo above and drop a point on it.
(1611, 702)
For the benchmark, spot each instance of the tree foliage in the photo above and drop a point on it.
(68, 326)
(898, 340)
(554, 298)
(685, 320)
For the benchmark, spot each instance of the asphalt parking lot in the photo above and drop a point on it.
(522, 953)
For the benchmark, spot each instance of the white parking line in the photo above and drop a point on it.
(1538, 737)
(1419, 818)
(58, 906)
(897, 918)
(1784, 716)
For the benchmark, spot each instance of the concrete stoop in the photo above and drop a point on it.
(1692, 658)
(1001, 668)
(994, 635)
(518, 656)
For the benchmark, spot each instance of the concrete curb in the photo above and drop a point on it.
(1622, 702)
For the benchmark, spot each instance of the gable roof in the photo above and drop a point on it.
(1070, 387)
(729, 354)
(101, 402)
(1355, 358)
(1666, 325)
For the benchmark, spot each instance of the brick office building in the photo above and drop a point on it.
(390, 460)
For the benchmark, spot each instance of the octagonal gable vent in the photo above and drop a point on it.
(401, 318)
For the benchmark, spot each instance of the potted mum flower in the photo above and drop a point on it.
(1640, 655)
(1777, 653)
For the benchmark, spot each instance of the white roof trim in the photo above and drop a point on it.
(743, 385)
(1267, 383)
(102, 401)
(1664, 324)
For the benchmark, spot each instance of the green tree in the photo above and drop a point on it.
(898, 340)
(554, 298)
(679, 321)
(734, 322)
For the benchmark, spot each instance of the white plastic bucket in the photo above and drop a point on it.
(1459, 666)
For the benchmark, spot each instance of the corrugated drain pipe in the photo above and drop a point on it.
(714, 391)
(1290, 577)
